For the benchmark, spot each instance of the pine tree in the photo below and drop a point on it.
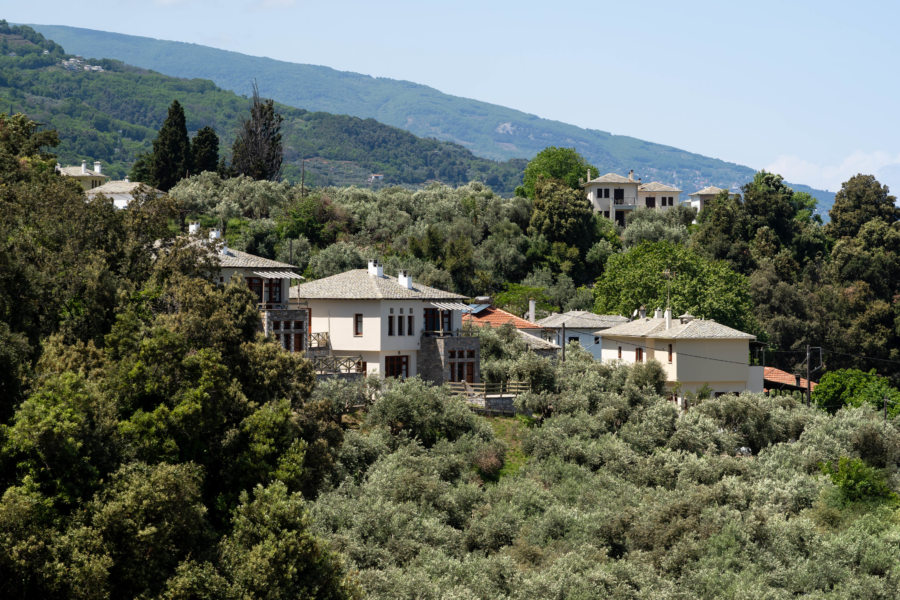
(205, 150)
(257, 150)
(171, 158)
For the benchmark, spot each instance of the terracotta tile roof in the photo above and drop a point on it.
(495, 317)
(777, 378)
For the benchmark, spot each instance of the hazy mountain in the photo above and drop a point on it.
(488, 130)
(109, 111)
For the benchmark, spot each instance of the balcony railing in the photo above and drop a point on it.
(272, 306)
(330, 363)
(318, 340)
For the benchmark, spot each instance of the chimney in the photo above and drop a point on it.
(97, 167)
(686, 318)
(531, 306)
(658, 314)
(588, 174)
(642, 312)
(193, 228)
(404, 279)
(631, 175)
(668, 318)
(215, 234)
(84, 167)
(375, 268)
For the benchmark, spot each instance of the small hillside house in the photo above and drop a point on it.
(580, 326)
(121, 192)
(485, 315)
(700, 198)
(693, 353)
(270, 281)
(86, 177)
(658, 196)
(393, 325)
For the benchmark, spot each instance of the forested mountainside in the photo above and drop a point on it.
(108, 111)
(486, 129)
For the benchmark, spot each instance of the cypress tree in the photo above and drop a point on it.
(257, 150)
(205, 150)
(171, 158)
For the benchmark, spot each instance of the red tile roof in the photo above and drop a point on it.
(495, 317)
(776, 377)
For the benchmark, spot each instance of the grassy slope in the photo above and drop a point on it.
(420, 109)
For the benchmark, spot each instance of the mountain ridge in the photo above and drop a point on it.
(488, 130)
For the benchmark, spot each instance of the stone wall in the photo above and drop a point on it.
(434, 364)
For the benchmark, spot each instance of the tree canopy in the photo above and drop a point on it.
(561, 164)
(661, 274)
(257, 151)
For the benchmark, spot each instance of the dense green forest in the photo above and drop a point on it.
(153, 444)
(487, 130)
(113, 115)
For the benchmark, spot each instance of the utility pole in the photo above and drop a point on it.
(808, 386)
(563, 342)
(302, 177)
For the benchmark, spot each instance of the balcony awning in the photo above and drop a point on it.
(277, 275)
(450, 305)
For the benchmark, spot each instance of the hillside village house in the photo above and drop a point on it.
(580, 326)
(121, 192)
(700, 198)
(615, 196)
(485, 315)
(693, 353)
(270, 282)
(87, 178)
(395, 326)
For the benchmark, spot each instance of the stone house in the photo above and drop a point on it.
(693, 353)
(394, 326)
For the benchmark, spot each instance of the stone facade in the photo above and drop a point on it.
(290, 327)
(434, 356)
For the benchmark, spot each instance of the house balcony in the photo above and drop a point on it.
(272, 306)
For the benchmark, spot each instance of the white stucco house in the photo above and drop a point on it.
(700, 198)
(613, 196)
(88, 178)
(693, 353)
(393, 325)
(580, 326)
(658, 196)
(121, 192)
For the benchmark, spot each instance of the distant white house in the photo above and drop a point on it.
(121, 192)
(700, 198)
(580, 326)
(89, 179)
(395, 326)
(659, 196)
(693, 352)
(614, 196)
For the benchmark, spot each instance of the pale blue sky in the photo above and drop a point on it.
(807, 89)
